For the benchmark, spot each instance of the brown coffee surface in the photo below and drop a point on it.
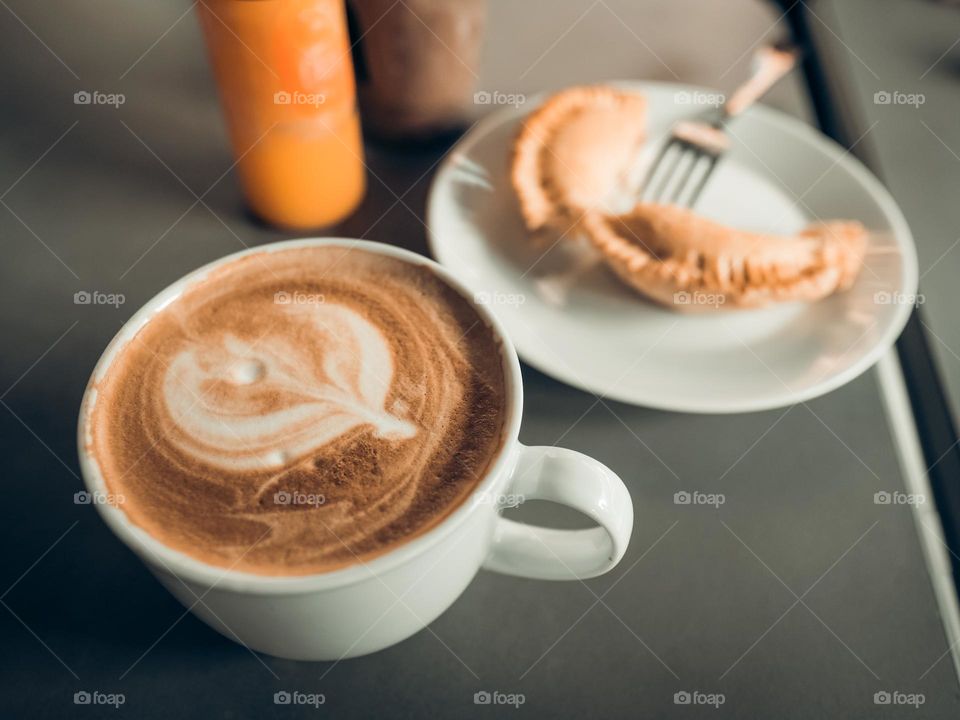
(301, 410)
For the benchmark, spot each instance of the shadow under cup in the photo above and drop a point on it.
(369, 605)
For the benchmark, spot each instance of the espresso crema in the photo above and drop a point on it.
(301, 410)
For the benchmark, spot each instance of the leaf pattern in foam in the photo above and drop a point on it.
(260, 406)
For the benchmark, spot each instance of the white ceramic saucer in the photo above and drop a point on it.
(602, 337)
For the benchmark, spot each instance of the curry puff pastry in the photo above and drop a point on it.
(573, 160)
(672, 256)
(573, 155)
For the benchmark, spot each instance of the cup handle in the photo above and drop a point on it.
(580, 482)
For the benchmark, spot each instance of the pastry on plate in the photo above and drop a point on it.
(574, 154)
(687, 262)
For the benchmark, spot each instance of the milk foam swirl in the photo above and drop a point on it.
(383, 404)
(214, 391)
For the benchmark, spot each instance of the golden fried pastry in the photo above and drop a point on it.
(688, 262)
(573, 155)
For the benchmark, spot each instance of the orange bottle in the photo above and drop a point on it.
(286, 84)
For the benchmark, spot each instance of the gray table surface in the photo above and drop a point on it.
(798, 597)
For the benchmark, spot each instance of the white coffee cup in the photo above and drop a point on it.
(371, 605)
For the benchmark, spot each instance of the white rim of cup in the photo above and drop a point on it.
(186, 567)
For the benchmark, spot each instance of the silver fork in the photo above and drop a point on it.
(702, 142)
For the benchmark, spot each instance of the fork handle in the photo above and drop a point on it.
(770, 64)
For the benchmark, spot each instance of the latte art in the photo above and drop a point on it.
(291, 438)
(251, 406)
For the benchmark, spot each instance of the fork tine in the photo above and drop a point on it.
(695, 174)
(654, 166)
(695, 195)
(669, 169)
(685, 177)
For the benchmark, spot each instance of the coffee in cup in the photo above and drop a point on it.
(296, 412)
